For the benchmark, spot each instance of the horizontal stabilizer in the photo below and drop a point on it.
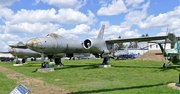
(4, 52)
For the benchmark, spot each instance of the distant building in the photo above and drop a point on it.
(143, 47)
(154, 46)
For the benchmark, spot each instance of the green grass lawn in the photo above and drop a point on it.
(84, 76)
(6, 85)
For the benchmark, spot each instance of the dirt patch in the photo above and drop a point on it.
(155, 55)
(36, 86)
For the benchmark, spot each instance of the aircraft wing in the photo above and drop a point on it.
(141, 39)
(4, 52)
(18, 46)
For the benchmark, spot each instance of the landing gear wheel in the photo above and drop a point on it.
(165, 65)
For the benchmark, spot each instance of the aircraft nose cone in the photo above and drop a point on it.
(33, 43)
(11, 50)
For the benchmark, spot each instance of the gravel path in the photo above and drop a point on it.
(36, 86)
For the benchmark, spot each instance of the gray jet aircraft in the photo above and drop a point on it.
(56, 46)
(21, 52)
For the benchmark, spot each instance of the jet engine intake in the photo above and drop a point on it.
(95, 46)
(87, 44)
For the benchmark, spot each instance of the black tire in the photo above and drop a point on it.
(164, 66)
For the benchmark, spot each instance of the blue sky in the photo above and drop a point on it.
(21, 20)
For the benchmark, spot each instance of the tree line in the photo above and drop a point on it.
(131, 44)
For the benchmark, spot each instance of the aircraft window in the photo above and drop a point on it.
(150, 46)
(156, 46)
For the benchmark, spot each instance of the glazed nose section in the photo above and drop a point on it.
(11, 50)
(33, 43)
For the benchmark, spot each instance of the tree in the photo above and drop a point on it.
(133, 45)
(120, 45)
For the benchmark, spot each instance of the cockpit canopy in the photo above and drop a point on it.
(54, 35)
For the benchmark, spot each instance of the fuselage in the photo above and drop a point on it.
(23, 52)
(51, 45)
(174, 54)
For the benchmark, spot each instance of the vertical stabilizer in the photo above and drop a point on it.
(101, 32)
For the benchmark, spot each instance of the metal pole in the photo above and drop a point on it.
(179, 77)
(42, 57)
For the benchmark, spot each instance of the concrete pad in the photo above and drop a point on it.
(17, 64)
(50, 63)
(44, 69)
(25, 63)
(174, 85)
(104, 66)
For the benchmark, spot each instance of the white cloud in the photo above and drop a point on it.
(114, 31)
(33, 16)
(80, 29)
(133, 17)
(106, 23)
(104, 2)
(70, 16)
(73, 33)
(64, 16)
(124, 32)
(5, 13)
(80, 4)
(4, 46)
(133, 3)
(30, 28)
(6, 2)
(171, 18)
(162, 20)
(76, 4)
(115, 8)
(6, 37)
(36, 2)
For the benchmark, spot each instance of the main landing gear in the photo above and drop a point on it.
(165, 65)
(58, 62)
(105, 63)
(169, 65)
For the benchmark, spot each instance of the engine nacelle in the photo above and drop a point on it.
(95, 46)
(172, 37)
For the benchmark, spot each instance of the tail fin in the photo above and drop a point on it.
(101, 32)
(162, 49)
